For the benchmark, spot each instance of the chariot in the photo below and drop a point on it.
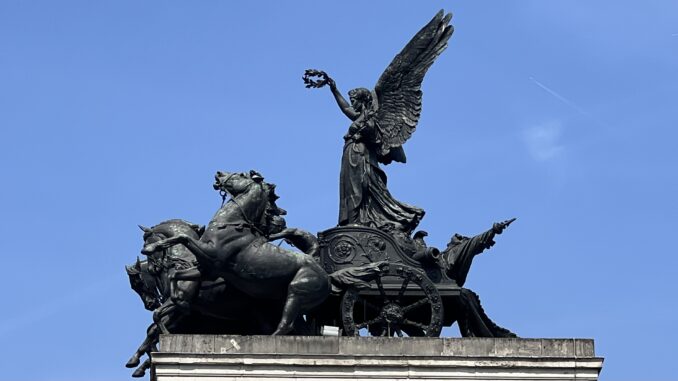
(409, 298)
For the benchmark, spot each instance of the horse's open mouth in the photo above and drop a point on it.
(220, 180)
(218, 184)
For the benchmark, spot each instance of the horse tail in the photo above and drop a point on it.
(302, 240)
(358, 277)
(307, 243)
(496, 331)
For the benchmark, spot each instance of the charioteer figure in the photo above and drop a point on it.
(457, 259)
(459, 254)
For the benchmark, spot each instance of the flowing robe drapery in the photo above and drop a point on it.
(364, 198)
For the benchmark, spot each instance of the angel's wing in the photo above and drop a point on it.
(398, 90)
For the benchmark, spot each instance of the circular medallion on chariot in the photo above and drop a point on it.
(343, 249)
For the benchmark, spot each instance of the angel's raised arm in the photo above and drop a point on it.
(317, 78)
(341, 101)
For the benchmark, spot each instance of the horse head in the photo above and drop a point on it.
(254, 197)
(170, 228)
(235, 183)
(159, 261)
(143, 284)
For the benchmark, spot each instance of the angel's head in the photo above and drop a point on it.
(361, 98)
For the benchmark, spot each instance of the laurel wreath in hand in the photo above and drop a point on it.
(310, 82)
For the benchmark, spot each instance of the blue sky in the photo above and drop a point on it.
(560, 113)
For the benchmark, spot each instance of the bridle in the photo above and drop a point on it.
(223, 193)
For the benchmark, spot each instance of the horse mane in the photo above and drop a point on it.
(272, 209)
(270, 190)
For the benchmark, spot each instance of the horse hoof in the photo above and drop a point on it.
(140, 372)
(132, 362)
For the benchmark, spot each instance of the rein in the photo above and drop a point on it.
(223, 195)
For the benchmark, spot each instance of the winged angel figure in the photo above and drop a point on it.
(382, 121)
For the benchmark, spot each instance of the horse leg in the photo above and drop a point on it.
(309, 287)
(163, 244)
(141, 371)
(151, 339)
(134, 360)
(165, 309)
(290, 313)
(171, 317)
(204, 250)
(182, 293)
(176, 309)
(149, 345)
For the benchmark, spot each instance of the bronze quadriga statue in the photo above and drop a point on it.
(370, 275)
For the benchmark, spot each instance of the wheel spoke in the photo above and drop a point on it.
(414, 323)
(403, 288)
(416, 304)
(369, 304)
(381, 288)
(369, 322)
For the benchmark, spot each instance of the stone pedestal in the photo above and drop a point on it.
(213, 357)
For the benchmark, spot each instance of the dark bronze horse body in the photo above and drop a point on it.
(183, 302)
(234, 246)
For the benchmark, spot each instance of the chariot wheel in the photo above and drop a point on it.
(401, 301)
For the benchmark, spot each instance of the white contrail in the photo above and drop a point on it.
(559, 97)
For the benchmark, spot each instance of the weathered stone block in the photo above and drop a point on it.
(583, 347)
(473, 346)
(557, 347)
(307, 344)
(258, 358)
(509, 347)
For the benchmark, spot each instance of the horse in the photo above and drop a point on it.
(146, 286)
(184, 300)
(235, 247)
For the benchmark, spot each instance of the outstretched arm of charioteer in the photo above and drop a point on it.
(461, 250)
